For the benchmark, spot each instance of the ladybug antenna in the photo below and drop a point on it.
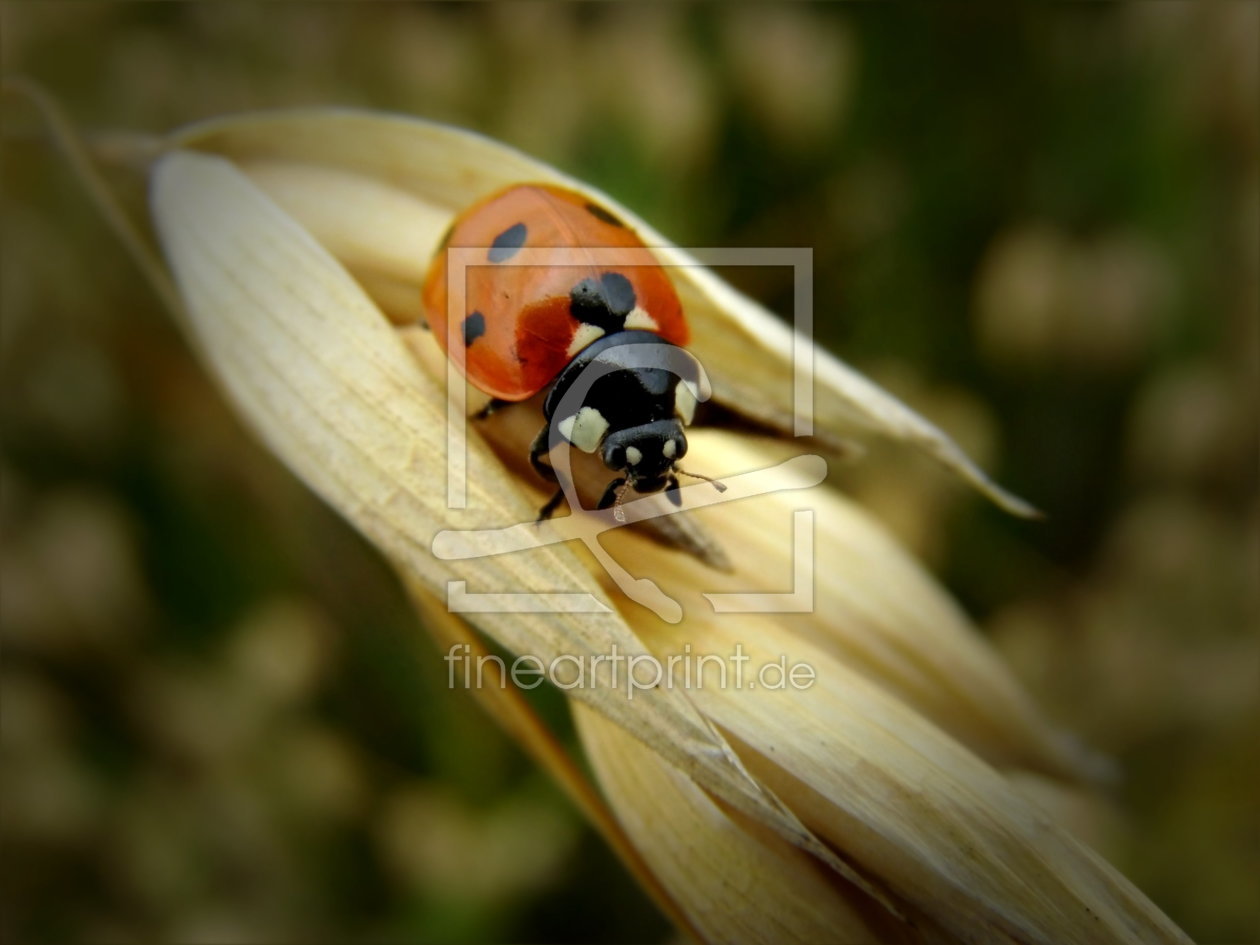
(618, 513)
(719, 486)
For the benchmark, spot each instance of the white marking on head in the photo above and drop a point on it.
(640, 319)
(634, 455)
(685, 402)
(584, 429)
(585, 334)
(670, 448)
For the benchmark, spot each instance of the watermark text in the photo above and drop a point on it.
(635, 672)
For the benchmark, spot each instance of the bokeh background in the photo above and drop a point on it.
(1041, 226)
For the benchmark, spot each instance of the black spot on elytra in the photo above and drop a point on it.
(474, 327)
(599, 213)
(605, 303)
(507, 243)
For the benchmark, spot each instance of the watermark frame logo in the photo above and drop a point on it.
(798, 472)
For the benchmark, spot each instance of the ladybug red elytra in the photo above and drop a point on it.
(608, 339)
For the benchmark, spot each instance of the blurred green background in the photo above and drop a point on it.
(1040, 226)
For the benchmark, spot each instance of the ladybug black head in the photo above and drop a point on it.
(645, 454)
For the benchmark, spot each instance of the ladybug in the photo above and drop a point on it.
(602, 332)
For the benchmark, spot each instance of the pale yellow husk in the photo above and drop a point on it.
(397, 168)
(737, 882)
(962, 851)
(762, 815)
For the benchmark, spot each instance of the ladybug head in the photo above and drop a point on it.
(645, 454)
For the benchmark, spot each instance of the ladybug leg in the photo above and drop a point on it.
(671, 491)
(493, 405)
(552, 504)
(537, 450)
(610, 494)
